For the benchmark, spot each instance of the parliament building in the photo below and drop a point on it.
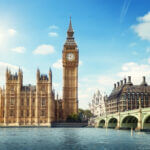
(37, 105)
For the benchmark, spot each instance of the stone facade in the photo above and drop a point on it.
(36, 105)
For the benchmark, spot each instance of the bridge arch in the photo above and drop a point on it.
(146, 122)
(129, 122)
(112, 123)
(102, 123)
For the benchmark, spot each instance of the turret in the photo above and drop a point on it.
(20, 76)
(7, 74)
(37, 75)
(50, 75)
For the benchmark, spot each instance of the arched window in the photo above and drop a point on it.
(43, 102)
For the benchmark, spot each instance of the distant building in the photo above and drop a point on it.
(126, 96)
(97, 106)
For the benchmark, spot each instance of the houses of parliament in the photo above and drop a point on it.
(37, 105)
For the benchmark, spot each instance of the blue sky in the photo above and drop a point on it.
(113, 37)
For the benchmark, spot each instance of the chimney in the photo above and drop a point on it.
(125, 80)
(121, 82)
(129, 79)
(118, 84)
(114, 86)
(144, 81)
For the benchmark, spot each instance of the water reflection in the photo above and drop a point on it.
(72, 139)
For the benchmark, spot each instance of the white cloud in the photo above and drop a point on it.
(44, 49)
(80, 62)
(53, 27)
(135, 70)
(58, 64)
(106, 80)
(6, 35)
(143, 27)
(11, 32)
(3, 66)
(53, 34)
(19, 49)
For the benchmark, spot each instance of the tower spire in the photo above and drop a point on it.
(70, 31)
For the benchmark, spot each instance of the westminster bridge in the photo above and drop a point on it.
(138, 119)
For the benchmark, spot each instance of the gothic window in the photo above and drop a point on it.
(27, 113)
(43, 88)
(146, 97)
(22, 101)
(43, 101)
(133, 96)
(137, 96)
(27, 101)
(42, 113)
(11, 113)
(12, 101)
(33, 113)
(21, 113)
(12, 88)
(33, 100)
(128, 96)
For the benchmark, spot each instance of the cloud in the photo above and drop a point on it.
(19, 49)
(58, 64)
(142, 29)
(124, 10)
(6, 35)
(11, 32)
(53, 27)
(80, 63)
(135, 70)
(44, 49)
(53, 34)
(3, 66)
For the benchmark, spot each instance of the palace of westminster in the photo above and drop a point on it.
(36, 105)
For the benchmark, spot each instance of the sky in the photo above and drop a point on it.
(113, 38)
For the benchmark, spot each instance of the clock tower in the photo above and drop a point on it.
(70, 61)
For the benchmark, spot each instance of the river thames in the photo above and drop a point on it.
(72, 139)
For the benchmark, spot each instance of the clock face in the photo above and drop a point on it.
(70, 56)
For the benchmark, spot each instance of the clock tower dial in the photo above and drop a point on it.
(70, 61)
(70, 56)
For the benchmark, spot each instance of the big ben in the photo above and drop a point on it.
(70, 59)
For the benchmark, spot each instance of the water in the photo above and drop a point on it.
(72, 139)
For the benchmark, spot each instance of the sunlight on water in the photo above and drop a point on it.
(72, 139)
